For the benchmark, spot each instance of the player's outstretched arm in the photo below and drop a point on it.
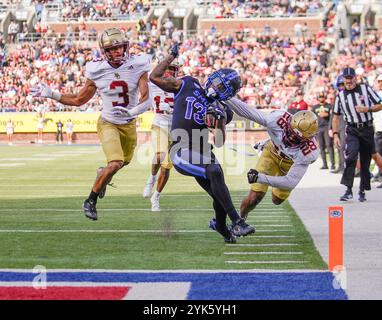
(246, 111)
(168, 84)
(78, 99)
(288, 182)
(144, 100)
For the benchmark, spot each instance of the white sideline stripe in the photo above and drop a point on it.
(266, 262)
(103, 231)
(154, 271)
(264, 253)
(113, 231)
(267, 220)
(82, 152)
(263, 245)
(271, 236)
(115, 209)
(101, 209)
(28, 159)
(6, 165)
(274, 225)
(159, 291)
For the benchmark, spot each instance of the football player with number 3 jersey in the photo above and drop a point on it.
(122, 81)
(287, 155)
(163, 104)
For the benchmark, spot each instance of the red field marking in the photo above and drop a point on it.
(63, 293)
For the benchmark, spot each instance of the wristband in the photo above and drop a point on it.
(56, 96)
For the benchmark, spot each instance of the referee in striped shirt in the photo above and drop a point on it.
(356, 104)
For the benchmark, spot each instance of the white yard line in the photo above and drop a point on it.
(10, 165)
(265, 253)
(267, 262)
(117, 231)
(263, 245)
(154, 271)
(271, 236)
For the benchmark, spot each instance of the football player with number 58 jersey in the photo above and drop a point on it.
(122, 81)
(285, 157)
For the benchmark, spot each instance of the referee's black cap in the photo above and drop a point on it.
(348, 72)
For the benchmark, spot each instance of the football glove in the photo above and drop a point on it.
(165, 107)
(259, 146)
(42, 90)
(252, 175)
(216, 111)
(175, 50)
(120, 111)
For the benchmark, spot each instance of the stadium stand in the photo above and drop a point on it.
(277, 49)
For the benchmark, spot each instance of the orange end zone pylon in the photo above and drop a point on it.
(336, 220)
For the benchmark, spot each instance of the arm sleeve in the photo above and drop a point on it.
(246, 111)
(373, 96)
(140, 108)
(337, 106)
(289, 182)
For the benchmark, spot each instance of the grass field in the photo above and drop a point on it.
(41, 221)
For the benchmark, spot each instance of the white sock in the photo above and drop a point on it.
(156, 194)
(152, 179)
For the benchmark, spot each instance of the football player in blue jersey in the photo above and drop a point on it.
(198, 109)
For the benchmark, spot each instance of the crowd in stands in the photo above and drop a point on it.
(74, 10)
(272, 66)
(365, 55)
(250, 9)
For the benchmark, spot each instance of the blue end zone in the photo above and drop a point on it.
(215, 286)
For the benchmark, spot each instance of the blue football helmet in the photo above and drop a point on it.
(339, 81)
(223, 84)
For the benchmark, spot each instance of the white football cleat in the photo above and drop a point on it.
(155, 202)
(148, 190)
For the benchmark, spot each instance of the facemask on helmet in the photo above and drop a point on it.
(302, 126)
(110, 39)
(223, 84)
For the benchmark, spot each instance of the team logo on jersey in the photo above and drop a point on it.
(117, 75)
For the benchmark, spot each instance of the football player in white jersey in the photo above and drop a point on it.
(163, 103)
(120, 79)
(285, 157)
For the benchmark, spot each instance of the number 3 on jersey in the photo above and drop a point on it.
(124, 102)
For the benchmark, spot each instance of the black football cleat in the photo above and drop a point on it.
(361, 196)
(90, 209)
(230, 239)
(347, 196)
(241, 228)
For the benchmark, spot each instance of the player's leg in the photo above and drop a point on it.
(268, 164)
(114, 144)
(330, 148)
(158, 138)
(367, 149)
(210, 177)
(162, 181)
(252, 200)
(351, 156)
(322, 144)
(219, 222)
